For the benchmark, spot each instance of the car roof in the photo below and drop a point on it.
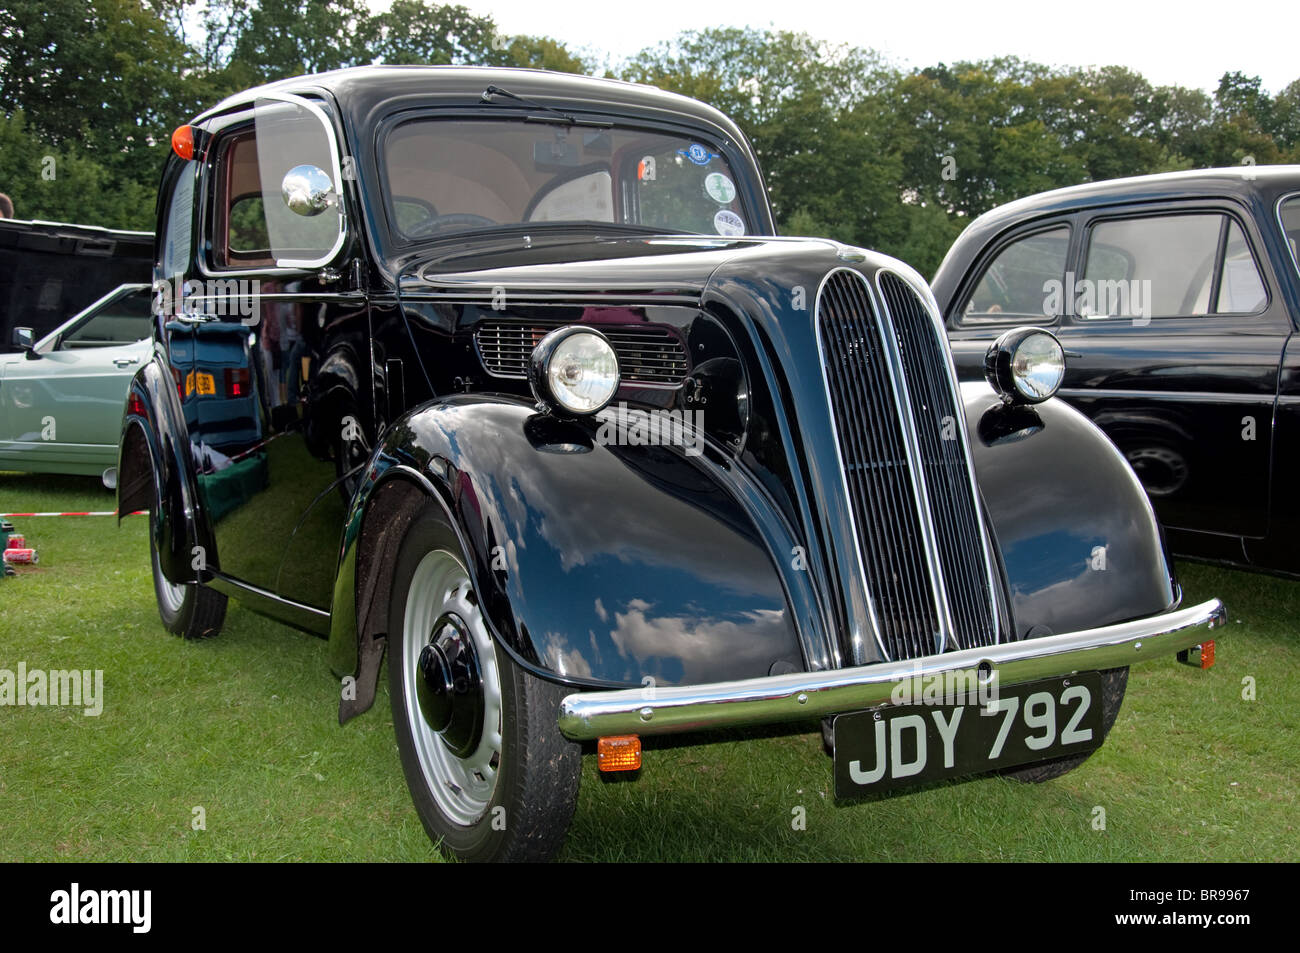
(1253, 185)
(1241, 181)
(359, 89)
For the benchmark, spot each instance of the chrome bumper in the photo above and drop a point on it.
(758, 701)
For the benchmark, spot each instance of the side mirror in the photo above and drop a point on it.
(307, 190)
(24, 339)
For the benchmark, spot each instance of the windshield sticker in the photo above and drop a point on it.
(698, 154)
(719, 188)
(727, 222)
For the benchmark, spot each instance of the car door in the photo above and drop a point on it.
(61, 407)
(1174, 334)
(270, 314)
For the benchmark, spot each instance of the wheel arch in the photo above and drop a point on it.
(477, 459)
(154, 472)
(1079, 540)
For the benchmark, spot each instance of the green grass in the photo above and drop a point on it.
(245, 727)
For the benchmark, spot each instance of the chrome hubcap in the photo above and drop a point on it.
(452, 688)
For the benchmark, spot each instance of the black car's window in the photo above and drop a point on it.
(178, 238)
(254, 225)
(1288, 212)
(1168, 266)
(1241, 289)
(124, 320)
(448, 175)
(1024, 281)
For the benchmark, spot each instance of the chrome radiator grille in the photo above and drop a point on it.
(935, 408)
(916, 522)
(646, 354)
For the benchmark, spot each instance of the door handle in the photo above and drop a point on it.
(125, 361)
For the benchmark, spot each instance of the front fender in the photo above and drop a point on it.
(597, 565)
(1079, 541)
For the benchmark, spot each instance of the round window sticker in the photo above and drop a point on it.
(727, 222)
(719, 188)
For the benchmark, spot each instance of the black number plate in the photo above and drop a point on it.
(904, 745)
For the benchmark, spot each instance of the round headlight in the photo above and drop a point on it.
(574, 369)
(1025, 365)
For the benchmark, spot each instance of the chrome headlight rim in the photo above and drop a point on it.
(539, 362)
(999, 366)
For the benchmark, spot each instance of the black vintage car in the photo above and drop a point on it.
(492, 370)
(1176, 298)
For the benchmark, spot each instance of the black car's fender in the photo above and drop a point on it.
(598, 565)
(155, 472)
(1079, 541)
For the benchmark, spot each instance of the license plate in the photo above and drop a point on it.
(906, 745)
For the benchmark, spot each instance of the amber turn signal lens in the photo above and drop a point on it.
(619, 753)
(183, 142)
(1198, 656)
(1207, 654)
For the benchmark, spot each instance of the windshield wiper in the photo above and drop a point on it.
(493, 91)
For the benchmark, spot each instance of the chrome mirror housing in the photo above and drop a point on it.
(307, 190)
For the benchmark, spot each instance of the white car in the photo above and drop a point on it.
(61, 397)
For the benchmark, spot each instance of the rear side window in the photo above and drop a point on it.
(1169, 266)
(1241, 290)
(1288, 212)
(1018, 284)
(178, 237)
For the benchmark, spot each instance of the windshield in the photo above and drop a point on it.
(451, 175)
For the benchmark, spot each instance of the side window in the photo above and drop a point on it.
(1241, 289)
(1019, 282)
(1288, 213)
(1168, 266)
(177, 245)
(124, 320)
(254, 225)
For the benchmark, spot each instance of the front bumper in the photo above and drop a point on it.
(805, 695)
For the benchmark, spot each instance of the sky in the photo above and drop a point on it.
(1183, 42)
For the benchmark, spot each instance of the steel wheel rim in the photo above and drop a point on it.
(461, 787)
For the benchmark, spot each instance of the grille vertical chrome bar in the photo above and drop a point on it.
(961, 537)
(916, 523)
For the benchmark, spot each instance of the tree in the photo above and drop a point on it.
(828, 161)
(105, 76)
(63, 184)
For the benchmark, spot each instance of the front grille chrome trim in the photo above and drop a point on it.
(991, 574)
(923, 617)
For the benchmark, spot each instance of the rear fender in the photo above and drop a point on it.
(155, 472)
